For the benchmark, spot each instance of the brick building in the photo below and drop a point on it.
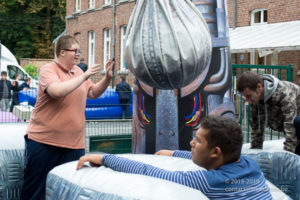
(92, 23)
(283, 16)
(38, 62)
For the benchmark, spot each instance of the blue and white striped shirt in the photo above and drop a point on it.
(239, 180)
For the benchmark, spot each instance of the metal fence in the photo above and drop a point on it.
(108, 135)
(18, 106)
(115, 132)
(242, 108)
(108, 120)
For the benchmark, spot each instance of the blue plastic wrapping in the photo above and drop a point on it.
(109, 98)
(28, 96)
(130, 110)
(22, 96)
(32, 97)
(107, 106)
(114, 112)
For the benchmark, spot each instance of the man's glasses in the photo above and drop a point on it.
(77, 51)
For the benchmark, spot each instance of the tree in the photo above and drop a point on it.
(31, 70)
(28, 27)
(14, 34)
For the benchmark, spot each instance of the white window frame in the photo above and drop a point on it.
(107, 2)
(122, 46)
(91, 48)
(253, 58)
(253, 12)
(78, 6)
(107, 44)
(91, 4)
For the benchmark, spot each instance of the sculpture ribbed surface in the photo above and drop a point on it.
(168, 43)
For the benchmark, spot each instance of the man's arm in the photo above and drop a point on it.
(97, 89)
(11, 85)
(182, 154)
(176, 153)
(62, 89)
(257, 126)
(289, 111)
(18, 88)
(193, 179)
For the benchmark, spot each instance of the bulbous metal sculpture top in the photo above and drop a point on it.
(168, 43)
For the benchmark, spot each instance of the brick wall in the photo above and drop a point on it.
(100, 18)
(237, 58)
(278, 10)
(97, 20)
(34, 61)
(291, 57)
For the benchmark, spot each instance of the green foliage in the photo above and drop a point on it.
(28, 27)
(31, 70)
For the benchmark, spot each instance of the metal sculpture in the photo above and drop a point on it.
(181, 61)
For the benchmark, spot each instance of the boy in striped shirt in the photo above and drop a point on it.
(217, 148)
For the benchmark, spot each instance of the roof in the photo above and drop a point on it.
(6, 55)
(266, 37)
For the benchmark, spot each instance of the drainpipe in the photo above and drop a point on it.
(234, 14)
(113, 42)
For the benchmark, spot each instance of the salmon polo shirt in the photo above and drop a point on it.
(59, 122)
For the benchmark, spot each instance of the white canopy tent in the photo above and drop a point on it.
(266, 38)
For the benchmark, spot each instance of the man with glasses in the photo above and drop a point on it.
(275, 103)
(56, 132)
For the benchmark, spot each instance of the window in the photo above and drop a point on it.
(12, 70)
(123, 34)
(257, 59)
(107, 2)
(92, 4)
(106, 55)
(259, 16)
(91, 48)
(78, 5)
